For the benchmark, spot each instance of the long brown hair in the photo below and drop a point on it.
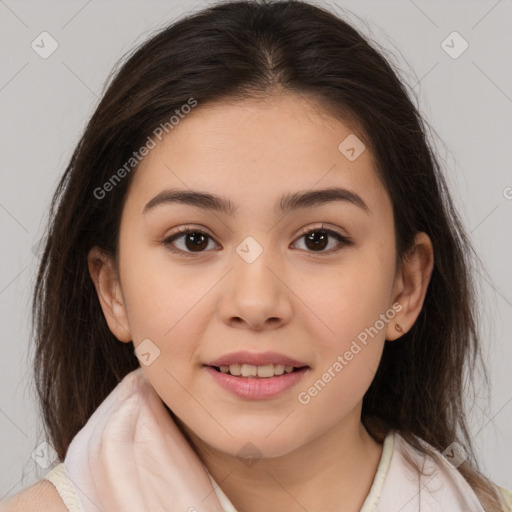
(228, 52)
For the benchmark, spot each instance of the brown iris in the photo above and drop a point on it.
(317, 239)
(198, 241)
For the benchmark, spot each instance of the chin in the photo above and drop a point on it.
(243, 437)
(253, 445)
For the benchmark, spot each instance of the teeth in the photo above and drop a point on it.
(234, 369)
(265, 371)
(278, 369)
(250, 370)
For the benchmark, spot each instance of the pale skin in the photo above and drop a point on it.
(304, 303)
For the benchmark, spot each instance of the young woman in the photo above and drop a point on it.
(256, 209)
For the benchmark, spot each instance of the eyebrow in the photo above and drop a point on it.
(286, 203)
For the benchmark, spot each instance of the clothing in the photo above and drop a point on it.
(395, 486)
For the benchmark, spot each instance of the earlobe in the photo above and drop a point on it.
(108, 288)
(411, 285)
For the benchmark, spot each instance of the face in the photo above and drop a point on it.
(313, 284)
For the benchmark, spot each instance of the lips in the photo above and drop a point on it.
(256, 359)
(256, 388)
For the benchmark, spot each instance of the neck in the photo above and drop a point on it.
(332, 472)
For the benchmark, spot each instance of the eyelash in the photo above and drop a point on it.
(343, 240)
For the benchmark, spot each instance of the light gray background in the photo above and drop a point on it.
(46, 103)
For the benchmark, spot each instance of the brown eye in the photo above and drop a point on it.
(192, 241)
(317, 239)
(196, 241)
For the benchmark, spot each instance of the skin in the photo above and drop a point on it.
(293, 299)
(40, 496)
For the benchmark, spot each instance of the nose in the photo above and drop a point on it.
(255, 295)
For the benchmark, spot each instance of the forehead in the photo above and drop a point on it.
(255, 148)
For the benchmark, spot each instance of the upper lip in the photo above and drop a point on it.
(256, 359)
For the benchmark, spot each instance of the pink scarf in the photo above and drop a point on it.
(396, 487)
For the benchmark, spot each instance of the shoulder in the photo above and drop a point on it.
(40, 496)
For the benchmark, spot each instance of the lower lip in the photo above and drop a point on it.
(256, 388)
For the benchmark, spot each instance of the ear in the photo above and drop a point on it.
(411, 283)
(108, 288)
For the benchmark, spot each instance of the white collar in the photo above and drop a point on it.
(439, 488)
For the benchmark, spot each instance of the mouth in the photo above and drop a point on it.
(266, 371)
(257, 381)
(256, 375)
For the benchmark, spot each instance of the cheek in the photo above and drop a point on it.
(166, 305)
(354, 307)
(346, 361)
(351, 297)
(167, 319)
(159, 294)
